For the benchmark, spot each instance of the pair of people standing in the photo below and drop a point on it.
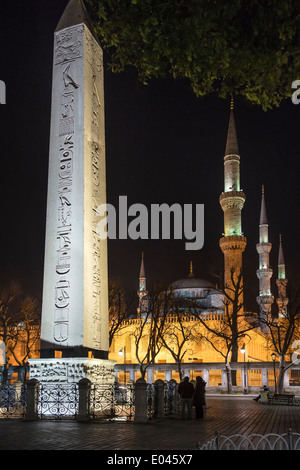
(192, 396)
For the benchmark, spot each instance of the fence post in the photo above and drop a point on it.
(84, 400)
(18, 393)
(130, 391)
(140, 401)
(172, 397)
(31, 413)
(159, 402)
(217, 440)
(290, 439)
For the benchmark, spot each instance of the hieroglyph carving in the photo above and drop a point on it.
(93, 57)
(68, 44)
(68, 48)
(96, 254)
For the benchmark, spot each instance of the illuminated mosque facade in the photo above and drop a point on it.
(210, 299)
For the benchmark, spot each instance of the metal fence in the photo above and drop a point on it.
(103, 402)
(287, 441)
(12, 401)
(58, 401)
(61, 402)
(171, 401)
(114, 402)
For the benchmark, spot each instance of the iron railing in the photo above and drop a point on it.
(172, 403)
(58, 401)
(151, 401)
(171, 399)
(112, 402)
(287, 441)
(12, 401)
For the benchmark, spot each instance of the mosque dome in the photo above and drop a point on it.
(193, 289)
(191, 283)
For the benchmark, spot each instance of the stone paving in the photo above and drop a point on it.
(241, 415)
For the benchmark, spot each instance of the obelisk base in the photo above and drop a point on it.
(72, 370)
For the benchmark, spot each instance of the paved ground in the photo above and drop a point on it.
(225, 415)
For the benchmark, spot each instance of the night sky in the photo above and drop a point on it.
(163, 145)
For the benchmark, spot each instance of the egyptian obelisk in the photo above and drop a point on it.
(74, 328)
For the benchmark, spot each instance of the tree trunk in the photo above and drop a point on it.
(180, 371)
(26, 369)
(282, 370)
(229, 376)
(143, 371)
(234, 358)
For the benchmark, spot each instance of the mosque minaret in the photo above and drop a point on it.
(281, 282)
(264, 273)
(233, 242)
(142, 292)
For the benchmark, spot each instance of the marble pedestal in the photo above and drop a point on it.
(72, 370)
(59, 390)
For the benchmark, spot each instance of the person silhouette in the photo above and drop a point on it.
(199, 397)
(186, 392)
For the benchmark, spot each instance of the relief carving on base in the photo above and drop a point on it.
(71, 372)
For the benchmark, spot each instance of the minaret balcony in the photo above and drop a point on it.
(263, 248)
(264, 273)
(233, 242)
(232, 157)
(265, 299)
(232, 199)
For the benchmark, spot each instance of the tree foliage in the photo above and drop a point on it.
(179, 335)
(242, 47)
(283, 333)
(19, 325)
(150, 327)
(226, 334)
(26, 336)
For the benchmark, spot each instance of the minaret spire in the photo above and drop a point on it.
(232, 146)
(263, 212)
(142, 270)
(281, 263)
(281, 282)
(232, 200)
(264, 272)
(191, 273)
(142, 292)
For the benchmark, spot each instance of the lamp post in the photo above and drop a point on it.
(121, 353)
(273, 356)
(243, 351)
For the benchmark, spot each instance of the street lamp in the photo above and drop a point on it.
(243, 351)
(273, 356)
(121, 352)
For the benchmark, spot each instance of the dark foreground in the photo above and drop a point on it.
(226, 415)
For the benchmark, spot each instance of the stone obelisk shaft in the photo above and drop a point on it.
(75, 296)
